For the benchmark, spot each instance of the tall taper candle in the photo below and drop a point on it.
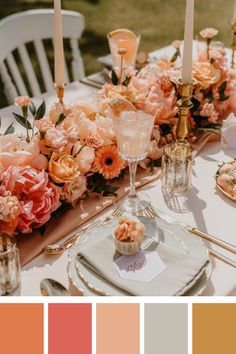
(188, 43)
(234, 15)
(58, 45)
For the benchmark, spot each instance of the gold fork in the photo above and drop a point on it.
(151, 212)
(55, 248)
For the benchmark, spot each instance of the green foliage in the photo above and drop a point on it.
(40, 112)
(22, 121)
(10, 129)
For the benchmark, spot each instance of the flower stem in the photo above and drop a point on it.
(132, 170)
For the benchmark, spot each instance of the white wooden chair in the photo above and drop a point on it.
(31, 28)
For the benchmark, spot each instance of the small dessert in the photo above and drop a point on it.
(128, 235)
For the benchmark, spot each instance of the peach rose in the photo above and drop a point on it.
(54, 140)
(74, 190)
(84, 156)
(63, 168)
(77, 126)
(105, 129)
(22, 101)
(208, 33)
(206, 74)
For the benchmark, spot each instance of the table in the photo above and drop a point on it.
(205, 208)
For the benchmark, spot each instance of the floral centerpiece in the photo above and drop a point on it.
(71, 152)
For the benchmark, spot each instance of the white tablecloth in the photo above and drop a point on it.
(206, 209)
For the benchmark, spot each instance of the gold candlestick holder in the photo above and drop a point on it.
(177, 159)
(60, 93)
(233, 45)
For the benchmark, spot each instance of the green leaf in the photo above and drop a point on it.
(126, 81)
(222, 87)
(21, 121)
(114, 78)
(40, 111)
(42, 135)
(61, 117)
(10, 129)
(32, 108)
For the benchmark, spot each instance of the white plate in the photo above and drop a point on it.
(175, 237)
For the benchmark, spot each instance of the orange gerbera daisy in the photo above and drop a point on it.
(107, 162)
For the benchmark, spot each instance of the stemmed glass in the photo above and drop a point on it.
(123, 46)
(133, 132)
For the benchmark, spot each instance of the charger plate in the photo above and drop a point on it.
(176, 237)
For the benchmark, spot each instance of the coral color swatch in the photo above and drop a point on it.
(21, 328)
(166, 329)
(118, 329)
(214, 328)
(70, 329)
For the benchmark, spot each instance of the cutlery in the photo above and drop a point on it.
(50, 287)
(151, 212)
(55, 249)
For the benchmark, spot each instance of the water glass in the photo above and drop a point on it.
(9, 264)
(126, 42)
(177, 162)
(133, 132)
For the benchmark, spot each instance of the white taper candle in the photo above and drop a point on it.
(58, 45)
(188, 43)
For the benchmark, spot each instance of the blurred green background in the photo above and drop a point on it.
(158, 21)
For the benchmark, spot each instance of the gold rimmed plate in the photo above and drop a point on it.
(226, 194)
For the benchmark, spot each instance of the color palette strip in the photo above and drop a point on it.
(118, 328)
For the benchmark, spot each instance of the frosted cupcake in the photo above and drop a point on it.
(128, 235)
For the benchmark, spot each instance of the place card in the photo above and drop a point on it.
(143, 266)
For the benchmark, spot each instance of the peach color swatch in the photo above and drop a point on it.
(214, 328)
(118, 329)
(70, 329)
(21, 328)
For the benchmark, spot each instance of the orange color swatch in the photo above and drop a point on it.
(214, 328)
(21, 328)
(118, 329)
(70, 329)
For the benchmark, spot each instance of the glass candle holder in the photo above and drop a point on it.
(123, 40)
(9, 264)
(177, 162)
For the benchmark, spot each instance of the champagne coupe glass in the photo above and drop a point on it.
(133, 132)
(123, 46)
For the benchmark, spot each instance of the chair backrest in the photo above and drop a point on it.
(24, 38)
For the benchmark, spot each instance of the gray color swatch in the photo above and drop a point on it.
(166, 329)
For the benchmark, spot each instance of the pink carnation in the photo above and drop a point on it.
(22, 101)
(9, 212)
(209, 33)
(38, 196)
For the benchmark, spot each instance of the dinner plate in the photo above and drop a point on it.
(174, 236)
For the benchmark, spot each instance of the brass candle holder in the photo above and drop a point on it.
(233, 45)
(60, 93)
(177, 159)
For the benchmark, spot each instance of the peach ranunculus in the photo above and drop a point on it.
(74, 190)
(63, 168)
(22, 101)
(94, 141)
(15, 151)
(38, 196)
(105, 129)
(54, 140)
(9, 213)
(110, 91)
(84, 156)
(208, 33)
(206, 74)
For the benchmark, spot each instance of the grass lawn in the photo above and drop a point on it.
(158, 21)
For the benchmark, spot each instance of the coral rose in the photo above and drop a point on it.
(74, 190)
(63, 168)
(206, 74)
(37, 195)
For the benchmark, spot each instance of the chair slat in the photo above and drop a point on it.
(43, 61)
(77, 62)
(9, 87)
(33, 81)
(16, 74)
(67, 80)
